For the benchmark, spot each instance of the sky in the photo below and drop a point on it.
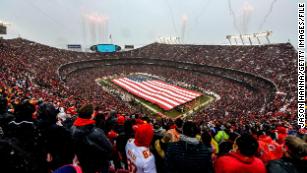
(140, 22)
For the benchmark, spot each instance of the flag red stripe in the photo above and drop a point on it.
(172, 89)
(140, 94)
(158, 99)
(168, 93)
(190, 92)
(151, 93)
(184, 89)
(160, 93)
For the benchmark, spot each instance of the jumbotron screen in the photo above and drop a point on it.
(106, 48)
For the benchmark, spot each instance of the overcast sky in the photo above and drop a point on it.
(139, 22)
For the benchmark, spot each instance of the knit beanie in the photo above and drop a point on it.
(121, 120)
(143, 135)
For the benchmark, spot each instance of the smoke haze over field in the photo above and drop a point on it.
(140, 22)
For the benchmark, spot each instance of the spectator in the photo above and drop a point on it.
(247, 101)
(15, 159)
(187, 154)
(5, 117)
(91, 146)
(57, 140)
(268, 149)
(282, 134)
(122, 140)
(294, 158)
(221, 135)
(139, 157)
(242, 159)
(176, 130)
(226, 146)
(68, 169)
(160, 147)
(210, 143)
(25, 134)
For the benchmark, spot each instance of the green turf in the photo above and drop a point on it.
(203, 100)
(174, 113)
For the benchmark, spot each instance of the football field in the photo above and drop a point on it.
(156, 97)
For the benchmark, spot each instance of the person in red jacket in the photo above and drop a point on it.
(242, 159)
(268, 149)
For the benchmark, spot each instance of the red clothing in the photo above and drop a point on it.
(71, 110)
(83, 122)
(121, 120)
(282, 134)
(269, 149)
(237, 163)
(143, 135)
(112, 134)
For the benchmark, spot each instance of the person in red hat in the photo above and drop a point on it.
(119, 127)
(121, 120)
(139, 157)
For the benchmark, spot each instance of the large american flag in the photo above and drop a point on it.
(158, 92)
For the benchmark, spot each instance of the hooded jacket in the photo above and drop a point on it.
(221, 136)
(27, 136)
(235, 162)
(5, 118)
(51, 134)
(92, 147)
(269, 149)
(186, 156)
(287, 165)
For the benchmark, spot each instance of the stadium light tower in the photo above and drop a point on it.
(3, 27)
(269, 33)
(169, 40)
(242, 40)
(264, 34)
(228, 37)
(236, 40)
(250, 37)
(257, 38)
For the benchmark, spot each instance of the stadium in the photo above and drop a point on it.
(167, 106)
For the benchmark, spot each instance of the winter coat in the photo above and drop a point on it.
(25, 133)
(57, 141)
(269, 149)
(188, 155)
(237, 163)
(92, 147)
(5, 118)
(15, 159)
(287, 165)
(27, 136)
(221, 136)
(159, 153)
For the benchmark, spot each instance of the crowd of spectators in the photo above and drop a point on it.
(38, 137)
(276, 62)
(235, 96)
(47, 125)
